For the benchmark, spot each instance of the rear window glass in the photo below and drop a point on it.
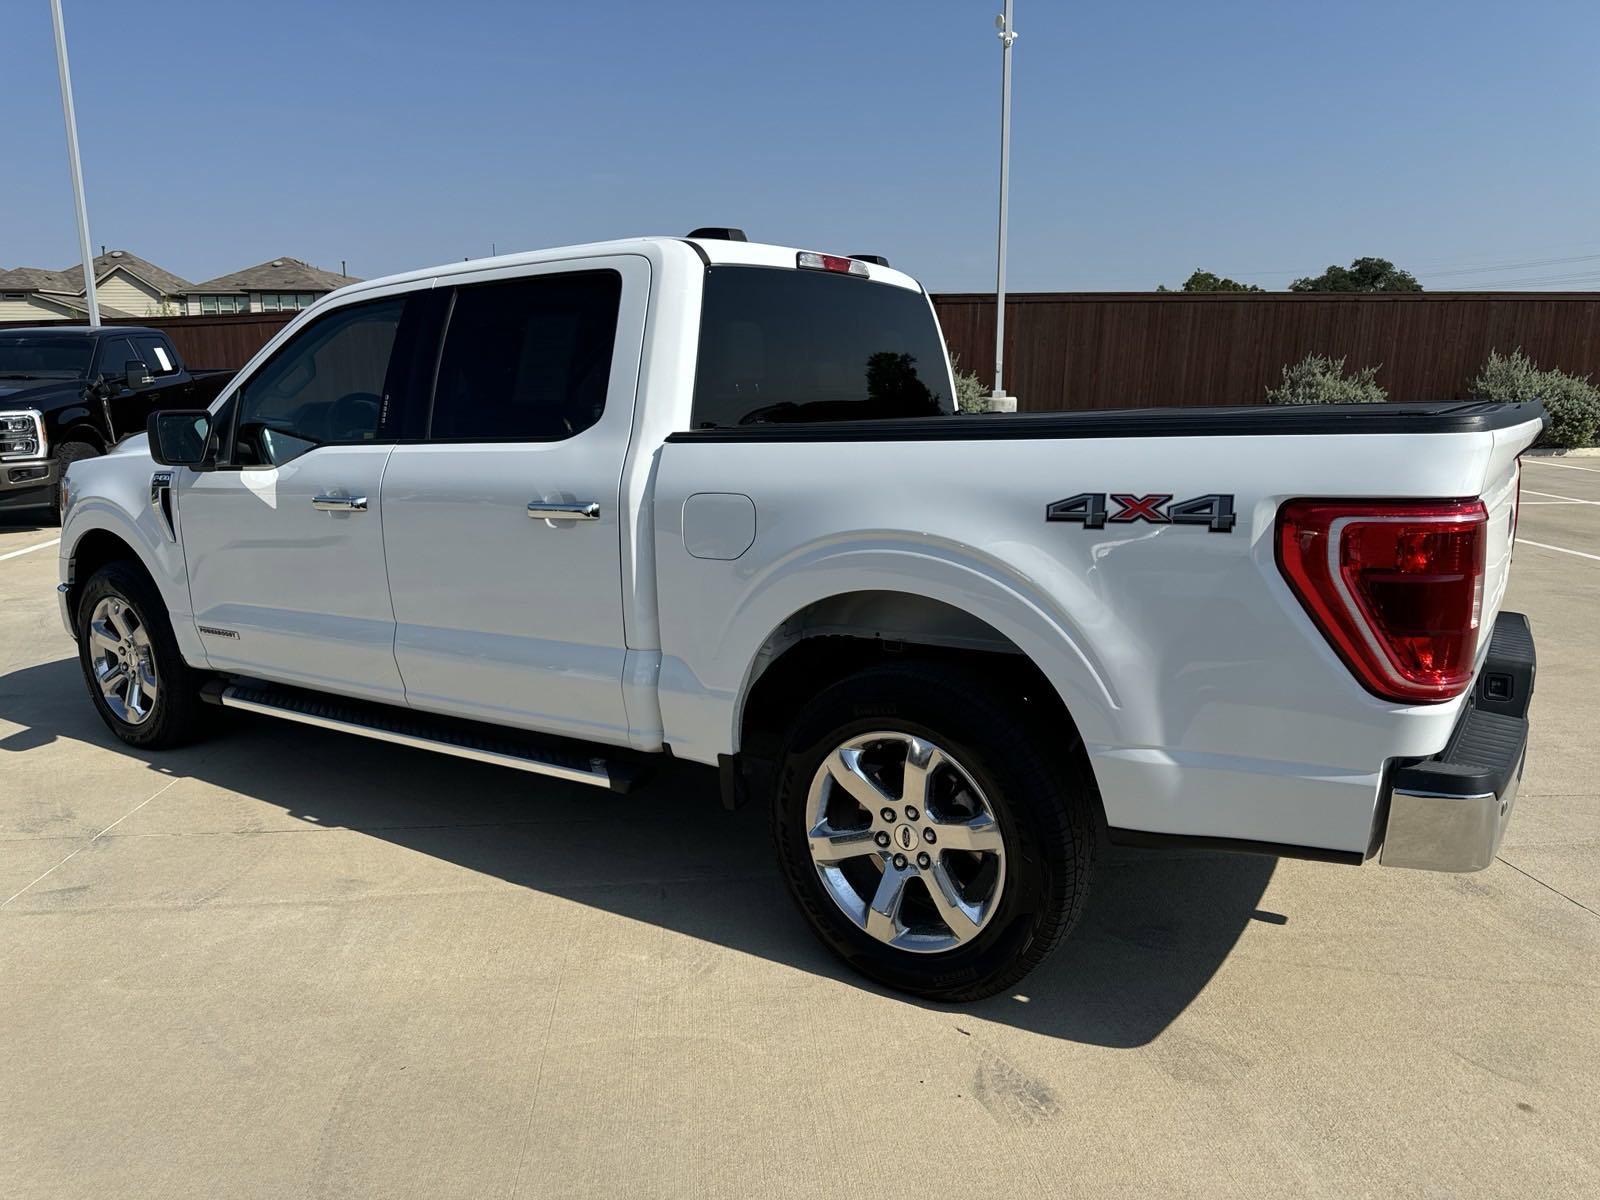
(780, 345)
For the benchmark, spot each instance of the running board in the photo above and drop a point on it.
(550, 757)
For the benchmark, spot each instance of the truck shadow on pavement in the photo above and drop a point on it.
(1157, 926)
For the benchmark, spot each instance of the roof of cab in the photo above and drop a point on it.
(712, 251)
(79, 331)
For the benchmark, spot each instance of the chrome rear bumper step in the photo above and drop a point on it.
(554, 758)
(1449, 812)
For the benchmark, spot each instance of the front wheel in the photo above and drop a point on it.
(932, 831)
(141, 687)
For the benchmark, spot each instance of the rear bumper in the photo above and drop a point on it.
(1449, 812)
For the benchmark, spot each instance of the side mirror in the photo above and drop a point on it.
(181, 438)
(137, 374)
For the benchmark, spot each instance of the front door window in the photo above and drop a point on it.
(325, 388)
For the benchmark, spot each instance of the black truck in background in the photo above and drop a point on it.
(73, 392)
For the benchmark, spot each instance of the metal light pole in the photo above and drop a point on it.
(999, 401)
(77, 167)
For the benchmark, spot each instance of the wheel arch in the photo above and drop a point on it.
(93, 550)
(836, 635)
(98, 532)
(80, 432)
(925, 601)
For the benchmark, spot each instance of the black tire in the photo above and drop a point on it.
(178, 715)
(1037, 788)
(66, 454)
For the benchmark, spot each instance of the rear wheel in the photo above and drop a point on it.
(931, 831)
(141, 687)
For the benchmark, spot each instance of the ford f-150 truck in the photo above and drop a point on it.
(71, 392)
(577, 510)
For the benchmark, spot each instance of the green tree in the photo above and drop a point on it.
(1362, 275)
(1209, 281)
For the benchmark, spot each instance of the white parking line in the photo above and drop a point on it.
(1539, 462)
(29, 549)
(1559, 549)
(1553, 496)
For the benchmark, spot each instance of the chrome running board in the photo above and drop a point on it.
(421, 731)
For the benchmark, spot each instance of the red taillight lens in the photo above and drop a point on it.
(1396, 586)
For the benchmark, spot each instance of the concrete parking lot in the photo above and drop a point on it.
(286, 962)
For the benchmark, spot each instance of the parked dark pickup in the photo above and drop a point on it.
(74, 392)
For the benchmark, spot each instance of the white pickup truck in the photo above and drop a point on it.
(576, 510)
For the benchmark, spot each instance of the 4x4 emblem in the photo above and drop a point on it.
(1214, 511)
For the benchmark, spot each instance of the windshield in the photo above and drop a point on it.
(44, 357)
(779, 345)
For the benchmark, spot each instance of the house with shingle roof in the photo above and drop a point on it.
(125, 286)
(129, 286)
(279, 285)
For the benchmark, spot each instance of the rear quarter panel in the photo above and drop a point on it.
(1208, 702)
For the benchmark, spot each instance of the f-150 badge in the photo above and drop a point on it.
(1215, 511)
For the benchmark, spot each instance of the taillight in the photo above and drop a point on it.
(1396, 586)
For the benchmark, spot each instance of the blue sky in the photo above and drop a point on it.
(1261, 139)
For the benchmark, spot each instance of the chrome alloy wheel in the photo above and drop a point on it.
(905, 842)
(123, 661)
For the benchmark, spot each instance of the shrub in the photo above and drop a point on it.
(1573, 403)
(1318, 379)
(971, 395)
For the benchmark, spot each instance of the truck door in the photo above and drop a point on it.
(126, 410)
(502, 524)
(283, 539)
(123, 409)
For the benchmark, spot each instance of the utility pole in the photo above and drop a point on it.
(999, 401)
(77, 167)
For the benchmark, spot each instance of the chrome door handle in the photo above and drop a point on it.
(587, 511)
(340, 503)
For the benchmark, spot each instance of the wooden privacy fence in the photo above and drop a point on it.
(204, 342)
(1142, 349)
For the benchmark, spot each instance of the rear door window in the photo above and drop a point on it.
(779, 345)
(528, 359)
